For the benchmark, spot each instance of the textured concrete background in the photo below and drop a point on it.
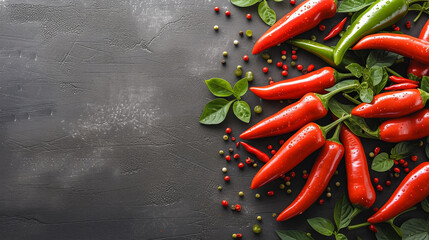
(99, 132)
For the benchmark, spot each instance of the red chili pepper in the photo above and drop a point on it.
(297, 87)
(310, 107)
(361, 192)
(396, 79)
(406, 128)
(402, 44)
(401, 86)
(323, 169)
(302, 18)
(416, 68)
(412, 190)
(336, 30)
(304, 142)
(258, 153)
(392, 104)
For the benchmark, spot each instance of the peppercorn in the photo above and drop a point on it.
(310, 68)
(233, 139)
(239, 235)
(281, 142)
(397, 170)
(379, 188)
(216, 27)
(224, 203)
(259, 218)
(241, 194)
(287, 183)
(376, 150)
(292, 63)
(336, 172)
(249, 76)
(216, 9)
(224, 170)
(220, 152)
(328, 189)
(236, 156)
(305, 176)
(265, 56)
(289, 191)
(313, 38)
(234, 235)
(322, 27)
(376, 180)
(238, 207)
(371, 154)
(408, 24)
(269, 61)
(265, 69)
(279, 64)
(405, 164)
(248, 160)
(223, 61)
(270, 193)
(395, 162)
(257, 195)
(227, 178)
(285, 67)
(321, 201)
(375, 209)
(219, 188)
(420, 143)
(235, 42)
(284, 73)
(225, 53)
(274, 215)
(233, 207)
(292, 2)
(249, 33)
(406, 170)
(294, 57)
(228, 158)
(257, 109)
(256, 229)
(238, 72)
(284, 57)
(337, 184)
(231, 150)
(245, 58)
(241, 165)
(396, 29)
(249, 16)
(401, 161)
(292, 174)
(372, 228)
(282, 186)
(397, 175)
(227, 13)
(287, 178)
(388, 183)
(255, 165)
(414, 158)
(328, 195)
(299, 67)
(225, 137)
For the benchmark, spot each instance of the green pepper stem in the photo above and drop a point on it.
(336, 136)
(420, 13)
(326, 97)
(348, 97)
(414, 1)
(327, 128)
(396, 228)
(356, 211)
(389, 70)
(352, 227)
(340, 76)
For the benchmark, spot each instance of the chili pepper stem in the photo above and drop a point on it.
(389, 70)
(325, 98)
(396, 228)
(336, 136)
(340, 76)
(355, 212)
(327, 128)
(352, 227)
(348, 97)
(420, 13)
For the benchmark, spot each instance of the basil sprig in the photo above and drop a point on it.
(383, 162)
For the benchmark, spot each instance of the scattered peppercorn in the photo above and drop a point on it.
(249, 16)
(289, 191)
(328, 195)
(223, 61)
(310, 68)
(379, 188)
(328, 189)
(341, 33)
(265, 69)
(388, 183)
(337, 184)
(269, 61)
(282, 186)
(220, 152)
(249, 76)
(305, 175)
(233, 139)
(249, 33)
(227, 178)
(322, 27)
(397, 170)
(292, 63)
(219, 188)
(376, 150)
(292, 2)
(265, 56)
(395, 162)
(269, 147)
(371, 154)
(225, 53)
(408, 25)
(401, 161)
(241, 165)
(372, 228)
(227, 13)
(235, 42)
(257, 195)
(270, 193)
(397, 29)
(225, 137)
(233, 207)
(292, 174)
(284, 57)
(241, 194)
(414, 158)
(241, 33)
(236, 156)
(234, 235)
(321, 201)
(216, 27)
(256, 229)
(397, 175)
(248, 160)
(255, 165)
(299, 67)
(281, 142)
(294, 57)
(406, 170)
(375, 209)
(224, 203)
(287, 178)
(313, 38)
(279, 64)
(259, 218)
(216, 9)
(238, 72)
(228, 158)
(245, 58)
(231, 150)
(288, 183)
(239, 235)
(238, 207)
(336, 172)
(224, 170)
(405, 164)
(376, 180)
(274, 215)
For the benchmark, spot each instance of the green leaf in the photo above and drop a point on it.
(366, 95)
(293, 235)
(415, 7)
(219, 87)
(425, 84)
(343, 84)
(382, 162)
(425, 205)
(240, 87)
(340, 236)
(413, 77)
(379, 87)
(386, 232)
(266, 13)
(355, 69)
(342, 213)
(321, 225)
(381, 58)
(376, 75)
(357, 14)
(215, 111)
(242, 111)
(415, 228)
(353, 5)
(244, 3)
(403, 149)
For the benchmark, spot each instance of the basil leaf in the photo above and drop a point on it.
(340, 236)
(240, 88)
(380, 58)
(355, 69)
(353, 5)
(386, 232)
(425, 205)
(413, 77)
(379, 87)
(403, 149)
(242, 111)
(425, 84)
(343, 84)
(219, 87)
(357, 14)
(266, 13)
(415, 228)
(382, 162)
(342, 213)
(366, 95)
(376, 75)
(244, 3)
(321, 225)
(427, 150)
(215, 111)
(293, 235)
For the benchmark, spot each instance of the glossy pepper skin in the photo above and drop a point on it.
(302, 18)
(359, 186)
(401, 86)
(396, 79)
(402, 44)
(379, 15)
(412, 190)
(392, 104)
(323, 169)
(258, 153)
(310, 107)
(336, 30)
(406, 128)
(417, 69)
(322, 51)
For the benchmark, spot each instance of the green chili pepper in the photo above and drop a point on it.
(381, 14)
(322, 51)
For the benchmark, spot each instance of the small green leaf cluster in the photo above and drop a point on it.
(264, 11)
(383, 162)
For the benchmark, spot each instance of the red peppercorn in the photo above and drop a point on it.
(273, 152)
(283, 52)
(292, 2)
(292, 174)
(375, 209)
(238, 207)
(405, 164)
(282, 176)
(379, 188)
(240, 165)
(321, 201)
(284, 73)
(393, 26)
(406, 170)
(226, 178)
(388, 183)
(249, 16)
(228, 130)
(265, 69)
(216, 9)
(395, 162)
(376, 150)
(270, 147)
(233, 139)
(414, 158)
(372, 228)
(248, 160)
(246, 58)
(281, 142)
(299, 67)
(239, 235)
(271, 82)
(224, 203)
(236, 156)
(228, 158)
(397, 28)
(285, 67)
(294, 57)
(287, 178)
(279, 64)
(401, 161)
(270, 193)
(376, 180)
(305, 175)
(293, 52)
(408, 24)
(227, 13)
(397, 170)
(310, 68)
(322, 27)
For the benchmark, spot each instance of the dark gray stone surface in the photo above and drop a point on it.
(99, 132)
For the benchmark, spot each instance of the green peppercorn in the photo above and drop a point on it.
(341, 33)
(225, 137)
(239, 66)
(221, 152)
(249, 33)
(328, 195)
(337, 184)
(219, 188)
(238, 72)
(259, 218)
(313, 38)
(288, 183)
(371, 154)
(282, 186)
(241, 194)
(293, 64)
(308, 234)
(336, 172)
(257, 195)
(328, 189)
(257, 229)
(216, 27)
(265, 56)
(234, 235)
(250, 76)
(397, 175)
(284, 57)
(225, 53)
(255, 165)
(420, 143)
(258, 109)
(289, 191)
(274, 215)
(304, 171)
(269, 61)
